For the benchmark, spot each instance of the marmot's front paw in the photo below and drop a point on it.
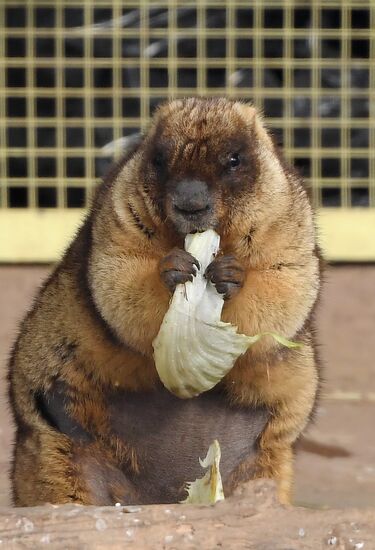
(177, 267)
(227, 274)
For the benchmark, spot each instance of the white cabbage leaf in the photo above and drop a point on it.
(194, 349)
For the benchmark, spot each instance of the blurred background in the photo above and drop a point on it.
(78, 80)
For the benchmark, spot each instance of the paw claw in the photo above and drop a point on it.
(227, 274)
(177, 267)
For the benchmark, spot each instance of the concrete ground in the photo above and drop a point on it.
(341, 470)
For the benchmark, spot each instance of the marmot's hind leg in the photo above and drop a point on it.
(58, 461)
(54, 469)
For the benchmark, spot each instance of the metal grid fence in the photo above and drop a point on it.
(76, 79)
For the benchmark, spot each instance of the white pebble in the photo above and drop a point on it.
(359, 545)
(118, 504)
(332, 541)
(46, 539)
(28, 525)
(129, 532)
(301, 532)
(168, 538)
(167, 511)
(100, 524)
(73, 512)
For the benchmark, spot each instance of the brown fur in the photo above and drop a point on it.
(93, 424)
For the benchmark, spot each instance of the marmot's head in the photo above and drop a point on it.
(207, 163)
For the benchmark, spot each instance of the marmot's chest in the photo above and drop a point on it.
(166, 435)
(169, 435)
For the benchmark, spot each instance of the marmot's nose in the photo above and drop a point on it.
(192, 197)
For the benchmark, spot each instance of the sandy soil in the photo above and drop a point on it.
(249, 519)
(346, 323)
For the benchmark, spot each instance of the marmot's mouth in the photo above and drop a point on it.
(190, 213)
(191, 216)
(193, 223)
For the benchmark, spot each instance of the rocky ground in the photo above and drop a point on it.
(335, 467)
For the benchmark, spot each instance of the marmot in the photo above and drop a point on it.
(94, 424)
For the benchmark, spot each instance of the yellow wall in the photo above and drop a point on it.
(42, 235)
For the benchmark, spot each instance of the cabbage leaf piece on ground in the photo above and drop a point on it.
(208, 489)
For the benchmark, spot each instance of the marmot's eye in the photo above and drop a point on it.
(158, 160)
(234, 160)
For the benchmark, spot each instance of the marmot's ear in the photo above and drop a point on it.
(126, 145)
(255, 122)
(131, 145)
